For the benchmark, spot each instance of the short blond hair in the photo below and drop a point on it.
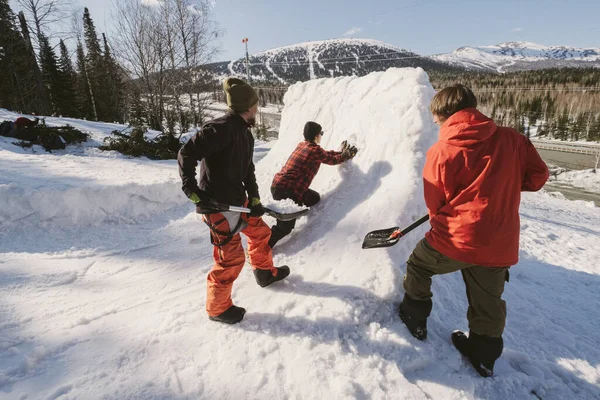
(452, 99)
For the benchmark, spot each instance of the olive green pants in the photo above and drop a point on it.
(487, 310)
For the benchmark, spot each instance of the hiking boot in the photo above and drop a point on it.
(281, 230)
(482, 351)
(232, 315)
(417, 327)
(414, 314)
(264, 277)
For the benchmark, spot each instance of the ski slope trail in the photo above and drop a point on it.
(110, 304)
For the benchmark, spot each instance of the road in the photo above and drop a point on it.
(568, 155)
(571, 156)
(568, 160)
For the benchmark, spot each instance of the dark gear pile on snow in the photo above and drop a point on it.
(135, 144)
(50, 138)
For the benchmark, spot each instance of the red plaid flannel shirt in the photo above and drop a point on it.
(300, 169)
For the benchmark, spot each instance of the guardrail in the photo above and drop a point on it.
(566, 149)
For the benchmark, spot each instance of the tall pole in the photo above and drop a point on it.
(245, 40)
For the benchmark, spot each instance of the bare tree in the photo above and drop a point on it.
(197, 35)
(135, 48)
(44, 16)
(164, 48)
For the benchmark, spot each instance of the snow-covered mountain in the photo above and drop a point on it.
(345, 57)
(326, 59)
(515, 56)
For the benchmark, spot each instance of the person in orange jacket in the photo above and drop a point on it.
(473, 178)
(224, 147)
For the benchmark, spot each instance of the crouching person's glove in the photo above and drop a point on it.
(350, 152)
(347, 150)
(256, 208)
(344, 146)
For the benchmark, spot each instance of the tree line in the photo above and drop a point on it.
(561, 103)
(152, 73)
(149, 74)
(40, 78)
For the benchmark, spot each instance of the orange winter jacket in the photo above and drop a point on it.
(473, 178)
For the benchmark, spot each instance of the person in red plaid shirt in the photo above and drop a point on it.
(294, 179)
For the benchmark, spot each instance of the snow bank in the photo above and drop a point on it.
(98, 130)
(385, 114)
(49, 190)
(88, 205)
(584, 179)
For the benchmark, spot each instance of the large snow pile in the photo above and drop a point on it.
(386, 116)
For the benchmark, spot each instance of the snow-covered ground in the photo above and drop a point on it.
(587, 179)
(103, 265)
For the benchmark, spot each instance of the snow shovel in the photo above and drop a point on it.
(391, 236)
(274, 214)
(215, 206)
(286, 216)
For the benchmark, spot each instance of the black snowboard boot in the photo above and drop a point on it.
(414, 314)
(482, 351)
(265, 277)
(232, 315)
(280, 230)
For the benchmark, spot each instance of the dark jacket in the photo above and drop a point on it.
(301, 167)
(224, 147)
(473, 178)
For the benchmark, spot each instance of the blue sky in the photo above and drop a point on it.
(423, 26)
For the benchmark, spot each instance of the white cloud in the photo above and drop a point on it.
(151, 3)
(353, 31)
(192, 8)
(517, 30)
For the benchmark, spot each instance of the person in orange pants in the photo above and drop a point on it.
(225, 147)
(229, 257)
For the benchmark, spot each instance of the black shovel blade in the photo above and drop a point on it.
(381, 238)
(286, 216)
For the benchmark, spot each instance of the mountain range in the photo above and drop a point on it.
(518, 56)
(343, 57)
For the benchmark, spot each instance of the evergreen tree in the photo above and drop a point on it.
(92, 44)
(595, 131)
(562, 130)
(68, 93)
(114, 85)
(50, 74)
(86, 107)
(578, 127)
(94, 67)
(17, 83)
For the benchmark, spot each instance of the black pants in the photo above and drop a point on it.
(284, 228)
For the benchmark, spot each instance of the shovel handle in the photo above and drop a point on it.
(396, 233)
(238, 209)
(412, 226)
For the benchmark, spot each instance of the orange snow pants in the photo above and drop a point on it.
(230, 259)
